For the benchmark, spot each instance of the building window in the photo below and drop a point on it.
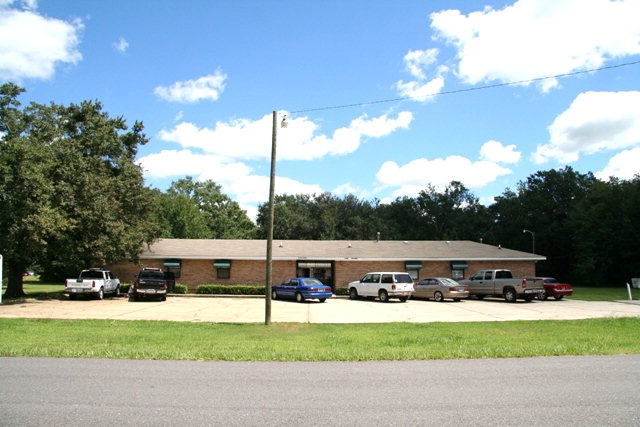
(223, 269)
(413, 268)
(457, 269)
(173, 266)
(320, 270)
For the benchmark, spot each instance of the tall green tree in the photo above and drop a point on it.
(222, 217)
(606, 242)
(543, 204)
(453, 214)
(71, 193)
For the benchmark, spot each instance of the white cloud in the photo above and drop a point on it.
(417, 174)
(495, 151)
(422, 88)
(220, 154)
(624, 165)
(121, 45)
(537, 38)
(31, 45)
(251, 140)
(595, 122)
(207, 87)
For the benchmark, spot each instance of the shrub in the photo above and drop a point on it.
(230, 290)
(180, 289)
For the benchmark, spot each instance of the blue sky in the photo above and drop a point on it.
(382, 98)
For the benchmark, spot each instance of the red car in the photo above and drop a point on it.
(552, 288)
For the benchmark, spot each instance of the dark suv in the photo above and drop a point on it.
(150, 282)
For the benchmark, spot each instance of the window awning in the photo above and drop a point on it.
(413, 265)
(174, 264)
(222, 264)
(459, 265)
(314, 265)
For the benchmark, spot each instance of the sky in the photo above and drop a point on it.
(382, 99)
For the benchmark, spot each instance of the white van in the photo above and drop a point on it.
(383, 285)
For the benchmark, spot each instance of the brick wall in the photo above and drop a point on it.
(253, 272)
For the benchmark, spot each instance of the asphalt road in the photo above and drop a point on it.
(553, 391)
(334, 310)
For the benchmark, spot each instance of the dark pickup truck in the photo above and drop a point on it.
(150, 282)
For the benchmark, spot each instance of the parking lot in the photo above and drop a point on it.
(336, 310)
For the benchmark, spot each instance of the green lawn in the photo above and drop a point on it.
(316, 342)
(324, 342)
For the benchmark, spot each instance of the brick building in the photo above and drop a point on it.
(335, 262)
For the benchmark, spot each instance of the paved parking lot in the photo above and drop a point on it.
(335, 310)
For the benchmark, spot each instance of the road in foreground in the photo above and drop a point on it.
(550, 391)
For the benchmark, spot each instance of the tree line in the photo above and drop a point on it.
(72, 196)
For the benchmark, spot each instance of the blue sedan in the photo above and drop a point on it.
(301, 288)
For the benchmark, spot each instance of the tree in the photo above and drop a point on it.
(71, 194)
(543, 204)
(607, 224)
(223, 217)
(453, 214)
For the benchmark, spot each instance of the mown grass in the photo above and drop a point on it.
(319, 342)
(316, 342)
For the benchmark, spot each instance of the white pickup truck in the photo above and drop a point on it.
(95, 282)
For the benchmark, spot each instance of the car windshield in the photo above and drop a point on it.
(550, 280)
(151, 275)
(311, 282)
(449, 282)
(403, 278)
(91, 274)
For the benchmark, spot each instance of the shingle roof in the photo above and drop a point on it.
(422, 250)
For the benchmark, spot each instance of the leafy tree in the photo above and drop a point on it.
(71, 193)
(449, 214)
(543, 204)
(607, 224)
(222, 217)
(178, 217)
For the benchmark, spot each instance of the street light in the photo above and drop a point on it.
(272, 185)
(533, 240)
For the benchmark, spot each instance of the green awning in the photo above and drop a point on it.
(459, 265)
(314, 265)
(222, 264)
(171, 264)
(413, 265)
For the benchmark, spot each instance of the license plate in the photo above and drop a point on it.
(76, 290)
(150, 291)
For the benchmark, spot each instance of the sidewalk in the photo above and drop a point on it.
(336, 310)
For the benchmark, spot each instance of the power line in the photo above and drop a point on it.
(470, 89)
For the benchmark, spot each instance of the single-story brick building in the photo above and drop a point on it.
(336, 262)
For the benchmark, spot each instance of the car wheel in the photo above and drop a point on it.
(163, 298)
(438, 296)
(353, 293)
(299, 297)
(403, 299)
(510, 295)
(274, 295)
(542, 296)
(323, 299)
(117, 291)
(100, 294)
(559, 297)
(383, 295)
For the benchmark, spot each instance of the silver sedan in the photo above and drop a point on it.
(440, 288)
